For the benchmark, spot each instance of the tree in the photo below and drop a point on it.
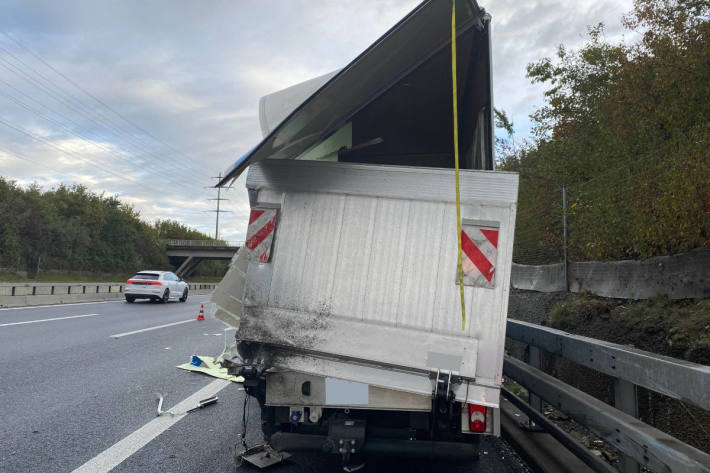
(625, 128)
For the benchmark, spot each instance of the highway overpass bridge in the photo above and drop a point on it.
(195, 251)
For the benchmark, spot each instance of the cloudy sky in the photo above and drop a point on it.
(150, 99)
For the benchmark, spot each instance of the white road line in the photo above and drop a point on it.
(56, 305)
(79, 303)
(119, 335)
(117, 453)
(47, 320)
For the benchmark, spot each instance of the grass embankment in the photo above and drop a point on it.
(677, 328)
(79, 277)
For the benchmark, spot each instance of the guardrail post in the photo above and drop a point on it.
(625, 401)
(533, 358)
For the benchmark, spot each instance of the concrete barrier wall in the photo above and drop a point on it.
(681, 276)
(544, 278)
(28, 294)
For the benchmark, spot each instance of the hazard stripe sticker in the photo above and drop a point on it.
(479, 245)
(260, 234)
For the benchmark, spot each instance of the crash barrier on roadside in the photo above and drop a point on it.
(681, 276)
(639, 443)
(23, 294)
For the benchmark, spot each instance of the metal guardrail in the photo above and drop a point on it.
(639, 442)
(204, 243)
(56, 288)
(60, 289)
(679, 379)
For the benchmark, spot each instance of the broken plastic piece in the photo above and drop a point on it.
(211, 367)
(195, 361)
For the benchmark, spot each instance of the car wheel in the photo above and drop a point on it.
(130, 299)
(166, 296)
(184, 296)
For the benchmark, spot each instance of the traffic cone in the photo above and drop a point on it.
(201, 315)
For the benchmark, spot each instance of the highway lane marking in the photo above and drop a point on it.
(79, 303)
(119, 335)
(56, 305)
(123, 449)
(48, 320)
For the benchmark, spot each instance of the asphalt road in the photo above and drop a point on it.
(71, 395)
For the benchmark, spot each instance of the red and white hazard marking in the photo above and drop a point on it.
(260, 234)
(479, 247)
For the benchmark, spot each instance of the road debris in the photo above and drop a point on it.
(209, 366)
(200, 404)
(262, 456)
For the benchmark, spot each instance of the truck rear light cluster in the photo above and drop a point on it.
(477, 418)
(145, 283)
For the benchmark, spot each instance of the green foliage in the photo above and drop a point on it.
(72, 229)
(677, 328)
(626, 129)
(502, 121)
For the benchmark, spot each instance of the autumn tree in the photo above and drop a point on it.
(625, 129)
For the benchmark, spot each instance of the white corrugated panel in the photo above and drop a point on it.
(383, 261)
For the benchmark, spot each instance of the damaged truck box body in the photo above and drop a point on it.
(346, 295)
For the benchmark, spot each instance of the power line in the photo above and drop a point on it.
(57, 93)
(69, 153)
(89, 94)
(57, 123)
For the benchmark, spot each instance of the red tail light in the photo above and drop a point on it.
(477, 418)
(146, 283)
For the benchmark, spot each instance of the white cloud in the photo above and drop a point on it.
(192, 77)
(163, 94)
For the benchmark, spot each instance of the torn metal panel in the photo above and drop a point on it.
(355, 339)
(227, 297)
(396, 78)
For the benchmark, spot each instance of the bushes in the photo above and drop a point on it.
(72, 229)
(626, 129)
(677, 328)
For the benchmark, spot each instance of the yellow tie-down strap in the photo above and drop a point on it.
(456, 162)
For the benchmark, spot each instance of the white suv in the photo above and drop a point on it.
(157, 286)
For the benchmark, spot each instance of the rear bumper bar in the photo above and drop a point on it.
(449, 451)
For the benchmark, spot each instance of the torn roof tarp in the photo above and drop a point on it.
(416, 49)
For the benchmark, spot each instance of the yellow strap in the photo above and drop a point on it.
(456, 161)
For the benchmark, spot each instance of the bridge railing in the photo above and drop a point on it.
(203, 243)
(639, 443)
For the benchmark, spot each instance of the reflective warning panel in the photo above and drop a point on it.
(479, 245)
(260, 234)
